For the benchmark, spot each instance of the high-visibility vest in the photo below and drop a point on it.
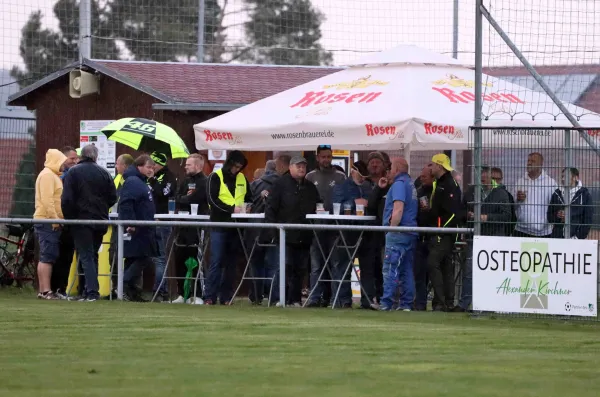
(240, 190)
(119, 180)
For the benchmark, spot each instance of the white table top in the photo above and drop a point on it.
(181, 217)
(341, 217)
(248, 216)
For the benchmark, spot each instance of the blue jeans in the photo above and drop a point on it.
(466, 294)
(264, 264)
(222, 265)
(398, 272)
(160, 261)
(88, 240)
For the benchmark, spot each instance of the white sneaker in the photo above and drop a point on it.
(179, 300)
(195, 301)
(278, 304)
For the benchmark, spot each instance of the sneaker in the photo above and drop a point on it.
(402, 309)
(256, 302)
(195, 301)
(89, 298)
(209, 302)
(179, 300)
(295, 304)
(385, 308)
(59, 295)
(278, 304)
(48, 295)
(313, 304)
(458, 309)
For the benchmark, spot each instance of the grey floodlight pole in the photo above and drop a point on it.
(85, 29)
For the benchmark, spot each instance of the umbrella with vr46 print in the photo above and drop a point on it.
(147, 136)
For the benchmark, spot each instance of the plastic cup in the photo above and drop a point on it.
(347, 209)
(247, 208)
(171, 206)
(194, 209)
(320, 207)
(360, 209)
(336, 208)
(191, 186)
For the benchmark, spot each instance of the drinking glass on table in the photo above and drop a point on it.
(347, 209)
(171, 206)
(337, 208)
(360, 209)
(194, 209)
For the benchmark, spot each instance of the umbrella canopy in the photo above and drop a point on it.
(147, 135)
(428, 105)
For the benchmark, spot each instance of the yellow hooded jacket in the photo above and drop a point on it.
(48, 187)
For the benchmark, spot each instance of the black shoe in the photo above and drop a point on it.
(132, 295)
(162, 297)
(440, 309)
(325, 303)
(458, 309)
(420, 309)
(313, 304)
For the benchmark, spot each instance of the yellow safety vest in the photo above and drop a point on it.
(240, 190)
(119, 180)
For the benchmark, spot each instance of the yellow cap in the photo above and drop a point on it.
(442, 160)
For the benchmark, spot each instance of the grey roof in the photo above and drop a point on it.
(9, 87)
(568, 87)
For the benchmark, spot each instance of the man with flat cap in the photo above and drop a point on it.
(292, 198)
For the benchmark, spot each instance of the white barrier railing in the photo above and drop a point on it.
(282, 227)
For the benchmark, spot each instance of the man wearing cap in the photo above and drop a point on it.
(354, 191)
(325, 178)
(163, 186)
(227, 190)
(445, 210)
(292, 197)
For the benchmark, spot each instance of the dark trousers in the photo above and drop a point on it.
(224, 248)
(367, 258)
(133, 272)
(88, 240)
(297, 260)
(62, 266)
(421, 278)
(182, 254)
(264, 264)
(441, 270)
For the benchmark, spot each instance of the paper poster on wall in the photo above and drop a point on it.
(90, 133)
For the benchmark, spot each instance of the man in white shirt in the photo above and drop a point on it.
(534, 193)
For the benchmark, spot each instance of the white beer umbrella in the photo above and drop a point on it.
(406, 96)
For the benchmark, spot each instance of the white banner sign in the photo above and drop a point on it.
(90, 133)
(527, 275)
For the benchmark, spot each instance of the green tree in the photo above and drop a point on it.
(167, 30)
(284, 32)
(23, 198)
(45, 51)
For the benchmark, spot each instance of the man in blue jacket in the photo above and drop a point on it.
(582, 210)
(354, 191)
(137, 204)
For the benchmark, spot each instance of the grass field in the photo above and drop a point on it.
(55, 348)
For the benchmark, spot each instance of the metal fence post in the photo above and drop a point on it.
(120, 232)
(477, 138)
(282, 267)
(568, 165)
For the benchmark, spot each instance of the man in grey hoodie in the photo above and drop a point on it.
(325, 178)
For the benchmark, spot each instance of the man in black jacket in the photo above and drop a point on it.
(292, 198)
(265, 259)
(191, 191)
(88, 193)
(227, 191)
(582, 207)
(444, 212)
(495, 215)
(163, 185)
(424, 192)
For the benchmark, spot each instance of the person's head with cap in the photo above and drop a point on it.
(359, 172)
(298, 167)
(440, 164)
(160, 160)
(376, 165)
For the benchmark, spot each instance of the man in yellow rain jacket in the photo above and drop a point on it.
(227, 190)
(48, 192)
